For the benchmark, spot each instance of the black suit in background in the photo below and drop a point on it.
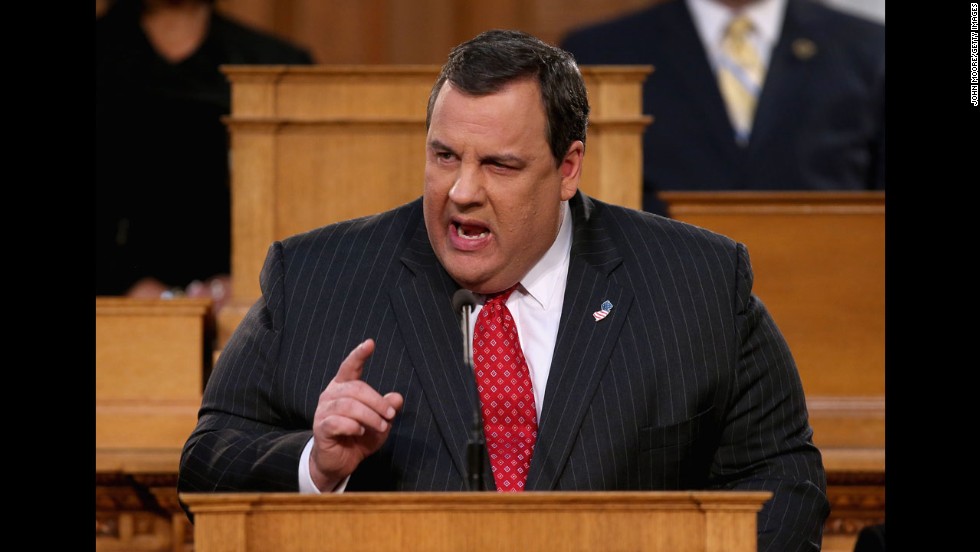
(820, 120)
(687, 384)
(163, 205)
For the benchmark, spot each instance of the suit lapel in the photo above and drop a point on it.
(583, 346)
(784, 94)
(431, 332)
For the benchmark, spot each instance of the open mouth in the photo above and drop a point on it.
(471, 231)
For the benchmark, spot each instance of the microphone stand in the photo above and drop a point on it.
(463, 301)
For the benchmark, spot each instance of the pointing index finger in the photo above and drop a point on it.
(353, 366)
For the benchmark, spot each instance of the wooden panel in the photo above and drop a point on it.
(609, 163)
(139, 512)
(848, 422)
(326, 170)
(149, 349)
(641, 521)
(613, 166)
(435, 20)
(253, 213)
(819, 264)
(151, 360)
(616, 92)
(324, 92)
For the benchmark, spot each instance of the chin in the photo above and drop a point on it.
(471, 280)
(467, 281)
(475, 274)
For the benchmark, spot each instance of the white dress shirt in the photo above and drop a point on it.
(536, 307)
(711, 18)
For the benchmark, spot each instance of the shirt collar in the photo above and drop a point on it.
(711, 17)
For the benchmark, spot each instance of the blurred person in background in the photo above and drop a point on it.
(812, 77)
(163, 206)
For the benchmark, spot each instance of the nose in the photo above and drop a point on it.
(468, 189)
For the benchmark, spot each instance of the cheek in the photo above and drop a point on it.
(432, 186)
(528, 215)
(432, 202)
(520, 215)
(437, 182)
(429, 176)
(538, 210)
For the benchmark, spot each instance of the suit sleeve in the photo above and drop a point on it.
(243, 440)
(766, 441)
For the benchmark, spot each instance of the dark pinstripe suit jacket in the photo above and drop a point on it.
(687, 384)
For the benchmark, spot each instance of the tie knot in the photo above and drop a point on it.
(739, 27)
(500, 297)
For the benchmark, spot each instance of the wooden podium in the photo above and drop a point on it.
(720, 521)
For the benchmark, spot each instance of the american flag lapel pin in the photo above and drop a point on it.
(603, 310)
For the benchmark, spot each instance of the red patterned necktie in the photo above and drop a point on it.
(510, 422)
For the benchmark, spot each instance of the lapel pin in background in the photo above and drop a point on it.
(804, 49)
(603, 310)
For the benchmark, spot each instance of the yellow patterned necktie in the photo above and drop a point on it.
(740, 75)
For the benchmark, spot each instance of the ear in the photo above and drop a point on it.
(571, 169)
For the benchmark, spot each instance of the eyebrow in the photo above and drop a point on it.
(436, 144)
(503, 159)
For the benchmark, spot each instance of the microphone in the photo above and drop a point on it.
(463, 303)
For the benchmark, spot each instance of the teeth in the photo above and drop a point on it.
(460, 233)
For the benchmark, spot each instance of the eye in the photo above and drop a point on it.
(500, 167)
(444, 156)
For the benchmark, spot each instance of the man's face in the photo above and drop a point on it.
(492, 191)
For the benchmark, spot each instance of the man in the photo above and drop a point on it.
(641, 360)
(817, 117)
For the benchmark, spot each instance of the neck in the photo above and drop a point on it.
(735, 4)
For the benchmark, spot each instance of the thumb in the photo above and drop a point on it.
(395, 400)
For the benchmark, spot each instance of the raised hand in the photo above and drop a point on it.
(351, 422)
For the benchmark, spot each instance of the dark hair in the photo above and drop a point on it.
(484, 64)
